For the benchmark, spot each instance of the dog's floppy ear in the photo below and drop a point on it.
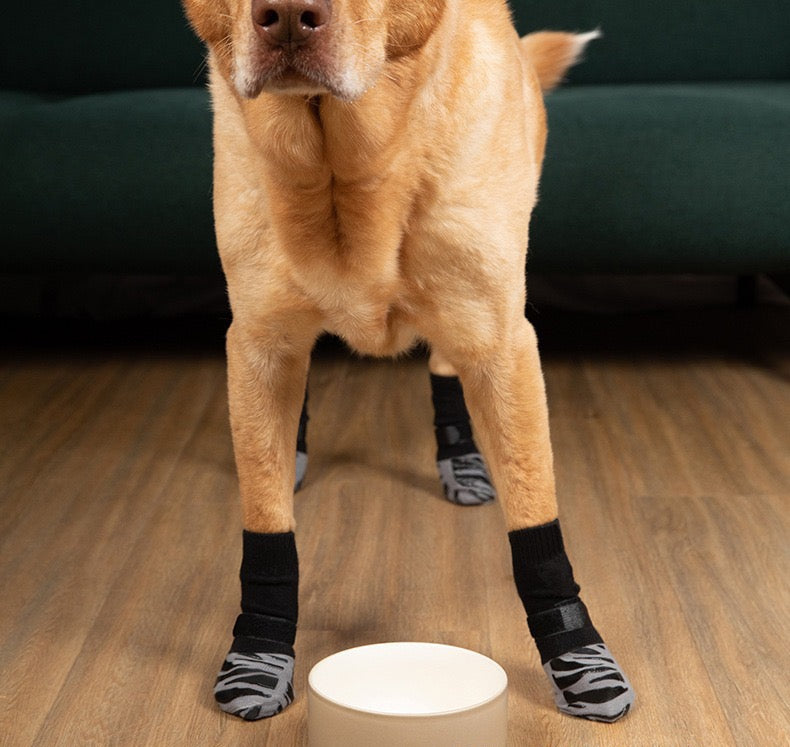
(410, 23)
(209, 19)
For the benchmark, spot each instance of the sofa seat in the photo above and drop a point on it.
(117, 182)
(686, 177)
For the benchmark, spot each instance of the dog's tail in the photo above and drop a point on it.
(551, 53)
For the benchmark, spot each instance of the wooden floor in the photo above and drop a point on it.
(120, 533)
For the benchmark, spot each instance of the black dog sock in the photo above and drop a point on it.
(256, 679)
(544, 579)
(269, 590)
(450, 418)
(587, 681)
(461, 467)
(301, 446)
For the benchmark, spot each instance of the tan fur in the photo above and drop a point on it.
(552, 52)
(394, 208)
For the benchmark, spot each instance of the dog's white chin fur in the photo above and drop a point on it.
(347, 88)
(345, 79)
(250, 90)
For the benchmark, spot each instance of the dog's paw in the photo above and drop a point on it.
(465, 480)
(301, 469)
(590, 684)
(255, 686)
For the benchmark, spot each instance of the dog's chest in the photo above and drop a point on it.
(339, 198)
(344, 245)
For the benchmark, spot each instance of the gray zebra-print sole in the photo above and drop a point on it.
(589, 683)
(255, 686)
(465, 480)
(301, 469)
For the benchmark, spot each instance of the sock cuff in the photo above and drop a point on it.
(269, 591)
(566, 617)
(269, 557)
(453, 434)
(265, 627)
(245, 645)
(561, 629)
(561, 643)
(536, 544)
(541, 569)
(454, 441)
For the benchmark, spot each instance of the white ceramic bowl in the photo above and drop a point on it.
(400, 694)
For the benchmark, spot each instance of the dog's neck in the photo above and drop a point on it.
(310, 136)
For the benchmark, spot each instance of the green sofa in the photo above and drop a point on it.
(669, 148)
(105, 140)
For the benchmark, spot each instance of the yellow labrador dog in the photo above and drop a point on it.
(376, 164)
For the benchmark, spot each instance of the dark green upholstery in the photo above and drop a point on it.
(680, 177)
(105, 130)
(674, 40)
(668, 151)
(669, 148)
(82, 46)
(114, 181)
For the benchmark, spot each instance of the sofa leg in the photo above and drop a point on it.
(782, 281)
(747, 291)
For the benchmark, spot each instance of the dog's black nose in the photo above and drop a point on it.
(289, 23)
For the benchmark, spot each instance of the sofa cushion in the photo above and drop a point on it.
(673, 40)
(97, 45)
(117, 181)
(675, 177)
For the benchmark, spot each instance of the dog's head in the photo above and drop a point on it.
(310, 46)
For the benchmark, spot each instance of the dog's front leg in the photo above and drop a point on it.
(506, 396)
(504, 389)
(266, 383)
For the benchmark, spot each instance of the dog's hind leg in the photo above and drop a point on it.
(266, 379)
(506, 397)
(461, 467)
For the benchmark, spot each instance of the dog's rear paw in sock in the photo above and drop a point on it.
(462, 470)
(465, 480)
(590, 684)
(255, 686)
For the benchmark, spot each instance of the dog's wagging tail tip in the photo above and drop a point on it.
(553, 53)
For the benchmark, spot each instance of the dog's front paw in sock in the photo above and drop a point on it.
(465, 480)
(587, 680)
(589, 683)
(255, 686)
(256, 679)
